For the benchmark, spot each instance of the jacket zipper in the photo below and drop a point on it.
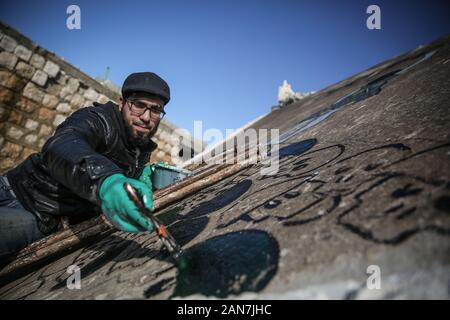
(137, 157)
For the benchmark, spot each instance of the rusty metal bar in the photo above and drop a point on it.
(207, 181)
(55, 247)
(59, 236)
(189, 180)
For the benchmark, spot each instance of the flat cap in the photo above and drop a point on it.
(147, 82)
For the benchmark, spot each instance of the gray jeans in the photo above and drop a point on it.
(18, 227)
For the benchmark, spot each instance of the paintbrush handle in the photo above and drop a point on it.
(163, 234)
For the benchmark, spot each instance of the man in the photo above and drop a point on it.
(81, 169)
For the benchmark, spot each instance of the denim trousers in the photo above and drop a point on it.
(18, 227)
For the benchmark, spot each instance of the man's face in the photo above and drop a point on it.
(141, 127)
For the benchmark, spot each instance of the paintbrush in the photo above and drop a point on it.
(164, 235)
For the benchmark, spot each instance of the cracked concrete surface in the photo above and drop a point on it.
(367, 184)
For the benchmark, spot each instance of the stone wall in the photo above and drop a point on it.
(38, 91)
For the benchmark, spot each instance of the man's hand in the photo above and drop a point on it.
(119, 209)
(146, 176)
(147, 173)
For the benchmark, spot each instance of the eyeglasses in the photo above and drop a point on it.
(138, 108)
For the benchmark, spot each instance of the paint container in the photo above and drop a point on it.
(165, 175)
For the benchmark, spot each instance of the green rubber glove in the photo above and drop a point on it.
(119, 209)
(146, 176)
(147, 173)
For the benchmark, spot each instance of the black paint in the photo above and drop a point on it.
(443, 204)
(186, 230)
(169, 215)
(395, 208)
(272, 204)
(369, 90)
(157, 287)
(229, 264)
(406, 191)
(295, 149)
(221, 200)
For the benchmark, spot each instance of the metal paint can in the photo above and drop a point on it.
(165, 175)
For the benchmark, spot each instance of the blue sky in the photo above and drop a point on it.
(224, 59)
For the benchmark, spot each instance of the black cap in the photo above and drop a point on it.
(147, 82)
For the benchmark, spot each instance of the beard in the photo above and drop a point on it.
(139, 139)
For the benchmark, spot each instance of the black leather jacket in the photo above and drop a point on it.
(64, 178)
